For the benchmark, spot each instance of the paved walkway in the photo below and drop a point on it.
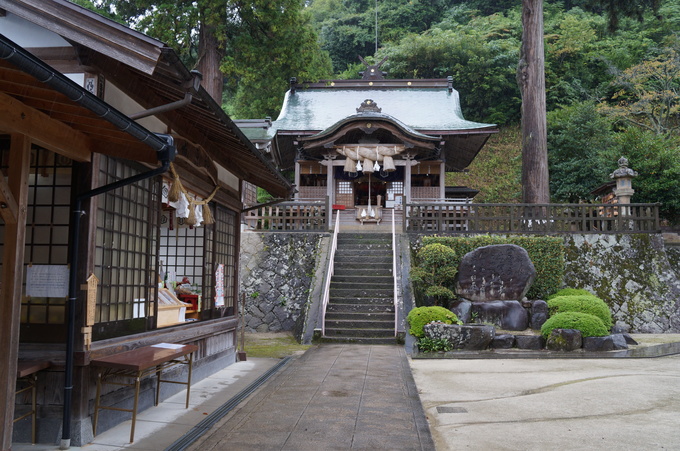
(558, 404)
(333, 397)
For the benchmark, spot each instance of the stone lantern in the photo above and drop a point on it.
(624, 177)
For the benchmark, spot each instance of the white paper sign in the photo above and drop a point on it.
(219, 286)
(47, 281)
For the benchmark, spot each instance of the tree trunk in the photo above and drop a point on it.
(531, 80)
(210, 53)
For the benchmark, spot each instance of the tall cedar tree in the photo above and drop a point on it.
(531, 80)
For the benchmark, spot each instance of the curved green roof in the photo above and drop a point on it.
(422, 109)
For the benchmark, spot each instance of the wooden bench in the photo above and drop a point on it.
(137, 364)
(27, 374)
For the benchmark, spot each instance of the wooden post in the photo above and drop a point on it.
(11, 288)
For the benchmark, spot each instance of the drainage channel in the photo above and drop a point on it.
(201, 428)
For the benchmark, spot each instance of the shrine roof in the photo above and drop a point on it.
(428, 106)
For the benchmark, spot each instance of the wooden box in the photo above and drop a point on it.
(170, 309)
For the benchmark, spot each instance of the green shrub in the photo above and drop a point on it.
(589, 325)
(546, 253)
(435, 271)
(584, 304)
(420, 316)
(434, 344)
(571, 292)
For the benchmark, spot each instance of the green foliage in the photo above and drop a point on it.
(584, 304)
(583, 148)
(648, 94)
(546, 253)
(481, 56)
(570, 292)
(434, 345)
(657, 161)
(497, 170)
(435, 271)
(420, 316)
(589, 325)
(578, 137)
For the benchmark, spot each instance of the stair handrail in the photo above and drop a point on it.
(394, 272)
(329, 273)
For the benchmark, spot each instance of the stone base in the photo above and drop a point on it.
(508, 315)
(466, 337)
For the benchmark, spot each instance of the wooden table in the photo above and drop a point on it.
(27, 372)
(137, 364)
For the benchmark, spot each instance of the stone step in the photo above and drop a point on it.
(363, 270)
(369, 284)
(362, 333)
(358, 293)
(374, 324)
(360, 340)
(354, 300)
(359, 278)
(365, 247)
(381, 315)
(334, 306)
(373, 259)
(364, 237)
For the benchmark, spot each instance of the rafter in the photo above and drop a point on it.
(18, 117)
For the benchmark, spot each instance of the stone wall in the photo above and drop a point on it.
(637, 275)
(633, 274)
(277, 277)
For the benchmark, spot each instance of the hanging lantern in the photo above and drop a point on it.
(368, 166)
(388, 164)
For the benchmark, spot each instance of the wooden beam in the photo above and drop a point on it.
(90, 30)
(8, 206)
(12, 281)
(18, 117)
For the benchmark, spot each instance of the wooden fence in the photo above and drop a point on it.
(289, 216)
(445, 217)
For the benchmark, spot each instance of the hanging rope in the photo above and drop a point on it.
(177, 188)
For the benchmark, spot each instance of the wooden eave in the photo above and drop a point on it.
(202, 122)
(91, 30)
(55, 122)
(310, 142)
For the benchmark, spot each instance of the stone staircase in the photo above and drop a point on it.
(361, 305)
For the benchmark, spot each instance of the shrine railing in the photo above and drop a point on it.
(308, 216)
(446, 217)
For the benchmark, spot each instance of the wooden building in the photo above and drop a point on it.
(370, 142)
(98, 125)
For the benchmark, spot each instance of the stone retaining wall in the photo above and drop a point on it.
(277, 276)
(633, 274)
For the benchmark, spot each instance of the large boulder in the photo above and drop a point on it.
(564, 340)
(469, 337)
(500, 272)
(508, 315)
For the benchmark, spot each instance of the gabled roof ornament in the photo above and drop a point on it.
(293, 82)
(369, 105)
(449, 83)
(372, 72)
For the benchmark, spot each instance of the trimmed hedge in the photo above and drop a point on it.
(436, 271)
(571, 292)
(589, 325)
(420, 316)
(545, 252)
(584, 304)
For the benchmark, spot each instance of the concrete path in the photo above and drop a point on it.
(573, 404)
(333, 397)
